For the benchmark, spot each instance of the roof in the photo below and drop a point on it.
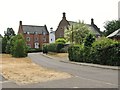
(114, 34)
(94, 29)
(35, 29)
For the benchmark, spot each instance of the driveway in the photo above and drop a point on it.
(82, 76)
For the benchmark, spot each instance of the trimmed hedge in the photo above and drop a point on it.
(104, 52)
(55, 47)
(30, 50)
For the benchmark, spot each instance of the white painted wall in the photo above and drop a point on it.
(52, 37)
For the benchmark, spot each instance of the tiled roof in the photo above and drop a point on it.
(114, 34)
(35, 29)
(94, 29)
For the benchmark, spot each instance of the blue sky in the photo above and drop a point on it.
(49, 12)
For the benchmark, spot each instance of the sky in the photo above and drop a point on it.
(49, 12)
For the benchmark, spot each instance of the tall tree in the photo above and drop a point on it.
(9, 33)
(77, 32)
(111, 26)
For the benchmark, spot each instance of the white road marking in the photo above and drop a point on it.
(97, 81)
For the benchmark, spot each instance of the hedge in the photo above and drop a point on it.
(105, 52)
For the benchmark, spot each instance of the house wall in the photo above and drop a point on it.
(52, 37)
(62, 25)
(33, 40)
(32, 37)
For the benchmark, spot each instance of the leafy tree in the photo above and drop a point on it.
(77, 32)
(61, 40)
(89, 40)
(111, 26)
(19, 48)
(9, 33)
(4, 44)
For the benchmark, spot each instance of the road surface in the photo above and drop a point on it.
(82, 76)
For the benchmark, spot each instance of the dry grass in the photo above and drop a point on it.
(60, 55)
(24, 71)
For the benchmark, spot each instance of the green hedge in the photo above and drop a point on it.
(55, 47)
(103, 51)
(30, 50)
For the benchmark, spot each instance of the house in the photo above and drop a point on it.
(51, 36)
(64, 24)
(59, 33)
(115, 35)
(35, 36)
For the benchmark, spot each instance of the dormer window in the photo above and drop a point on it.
(44, 33)
(36, 32)
(28, 32)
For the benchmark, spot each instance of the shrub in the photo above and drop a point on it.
(45, 48)
(30, 50)
(59, 47)
(103, 51)
(61, 40)
(52, 47)
(19, 46)
(4, 44)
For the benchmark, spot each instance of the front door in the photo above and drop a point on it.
(36, 45)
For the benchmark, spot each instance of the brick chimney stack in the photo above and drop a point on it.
(92, 21)
(64, 16)
(20, 23)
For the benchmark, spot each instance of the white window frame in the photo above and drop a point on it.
(27, 38)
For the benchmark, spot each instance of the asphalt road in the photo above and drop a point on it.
(82, 76)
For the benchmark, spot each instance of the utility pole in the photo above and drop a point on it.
(72, 34)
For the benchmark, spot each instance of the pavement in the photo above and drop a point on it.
(66, 60)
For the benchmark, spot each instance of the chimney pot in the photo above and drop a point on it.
(92, 21)
(64, 16)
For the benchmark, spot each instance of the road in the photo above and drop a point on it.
(82, 76)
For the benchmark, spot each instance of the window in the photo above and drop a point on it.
(29, 45)
(36, 39)
(44, 39)
(51, 39)
(27, 38)
(28, 32)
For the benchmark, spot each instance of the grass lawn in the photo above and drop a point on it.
(24, 71)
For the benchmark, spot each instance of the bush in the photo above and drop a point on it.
(59, 47)
(61, 40)
(30, 50)
(45, 48)
(103, 51)
(4, 44)
(52, 47)
(19, 48)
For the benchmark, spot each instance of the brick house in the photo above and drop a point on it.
(34, 36)
(64, 24)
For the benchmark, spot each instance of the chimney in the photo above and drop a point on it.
(64, 16)
(20, 23)
(51, 29)
(92, 21)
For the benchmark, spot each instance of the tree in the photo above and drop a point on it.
(89, 40)
(19, 48)
(77, 32)
(4, 44)
(61, 40)
(9, 33)
(111, 26)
